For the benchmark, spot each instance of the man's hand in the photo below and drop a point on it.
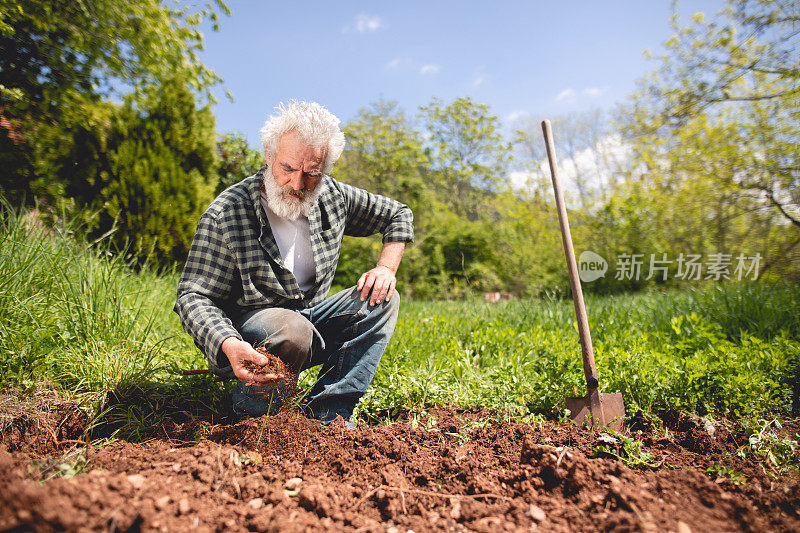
(238, 352)
(381, 281)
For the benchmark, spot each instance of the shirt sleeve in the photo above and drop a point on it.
(207, 279)
(368, 214)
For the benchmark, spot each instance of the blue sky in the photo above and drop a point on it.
(541, 58)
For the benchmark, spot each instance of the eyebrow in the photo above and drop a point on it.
(289, 168)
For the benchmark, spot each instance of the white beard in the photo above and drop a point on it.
(284, 205)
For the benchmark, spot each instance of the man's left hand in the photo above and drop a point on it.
(381, 281)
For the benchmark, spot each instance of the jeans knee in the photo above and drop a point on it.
(292, 342)
(297, 333)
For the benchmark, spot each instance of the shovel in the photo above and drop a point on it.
(596, 409)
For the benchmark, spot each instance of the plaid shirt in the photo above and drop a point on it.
(234, 265)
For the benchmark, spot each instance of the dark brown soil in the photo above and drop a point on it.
(452, 470)
(272, 366)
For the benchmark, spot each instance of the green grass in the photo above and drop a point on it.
(75, 317)
(702, 351)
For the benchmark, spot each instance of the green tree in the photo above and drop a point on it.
(384, 155)
(716, 125)
(236, 160)
(58, 58)
(152, 172)
(469, 157)
(742, 67)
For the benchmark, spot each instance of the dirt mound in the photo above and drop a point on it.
(454, 470)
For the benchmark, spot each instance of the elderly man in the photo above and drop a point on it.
(262, 262)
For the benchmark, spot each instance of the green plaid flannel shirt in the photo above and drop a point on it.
(234, 265)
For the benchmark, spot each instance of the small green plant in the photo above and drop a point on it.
(245, 459)
(70, 464)
(265, 423)
(719, 471)
(628, 450)
(780, 454)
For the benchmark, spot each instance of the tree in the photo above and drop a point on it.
(384, 155)
(591, 156)
(719, 119)
(467, 151)
(57, 57)
(237, 160)
(153, 170)
(743, 67)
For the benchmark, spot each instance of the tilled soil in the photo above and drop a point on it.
(454, 470)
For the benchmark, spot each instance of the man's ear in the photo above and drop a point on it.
(266, 155)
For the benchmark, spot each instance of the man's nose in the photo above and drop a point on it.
(297, 182)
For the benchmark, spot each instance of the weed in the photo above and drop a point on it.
(780, 454)
(266, 421)
(68, 465)
(629, 450)
(729, 472)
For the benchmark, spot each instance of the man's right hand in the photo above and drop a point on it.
(239, 351)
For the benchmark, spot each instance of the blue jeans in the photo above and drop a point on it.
(343, 334)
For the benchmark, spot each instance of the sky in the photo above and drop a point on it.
(523, 58)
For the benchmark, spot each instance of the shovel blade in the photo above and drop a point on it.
(611, 414)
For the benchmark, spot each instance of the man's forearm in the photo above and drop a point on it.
(391, 254)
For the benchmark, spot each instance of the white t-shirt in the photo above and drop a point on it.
(294, 243)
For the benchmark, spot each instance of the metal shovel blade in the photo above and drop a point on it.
(607, 410)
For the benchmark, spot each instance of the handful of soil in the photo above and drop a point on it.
(273, 365)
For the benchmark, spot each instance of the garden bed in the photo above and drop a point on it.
(451, 470)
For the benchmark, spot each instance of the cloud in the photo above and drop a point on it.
(520, 179)
(478, 76)
(594, 92)
(516, 115)
(398, 62)
(598, 166)
(566, 94)
(367, 23)
(429, 69)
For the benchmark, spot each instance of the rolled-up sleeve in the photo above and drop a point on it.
(207, 279)
(368, 214)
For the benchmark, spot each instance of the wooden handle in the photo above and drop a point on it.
(589, 368)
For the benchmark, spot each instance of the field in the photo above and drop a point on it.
(462, 429)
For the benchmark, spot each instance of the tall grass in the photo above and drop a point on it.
(75, 317)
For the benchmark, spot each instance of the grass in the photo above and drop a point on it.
(74, 317)
(681, 350)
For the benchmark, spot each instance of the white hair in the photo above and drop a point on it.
(316, 125)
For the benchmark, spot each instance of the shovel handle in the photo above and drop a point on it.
(589, 367)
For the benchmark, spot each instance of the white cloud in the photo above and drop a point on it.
(398, 62)
(478, 76)
(594, 92)
(598, 166)
(367, 23)
(516, 115)
(429, 69)
(566, 94)
(520, 179)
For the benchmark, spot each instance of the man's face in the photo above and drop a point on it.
(297, 167)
